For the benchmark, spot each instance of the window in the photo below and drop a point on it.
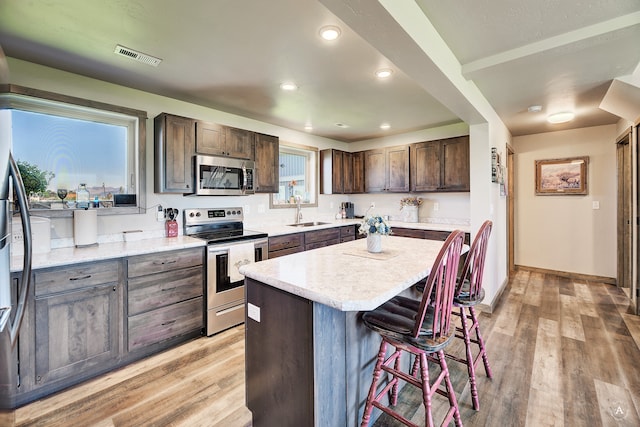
(298, 176)
(62, 143)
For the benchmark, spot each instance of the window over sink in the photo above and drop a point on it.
(298, 176)
(64, 144)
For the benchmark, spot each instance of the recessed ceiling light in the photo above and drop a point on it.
(384, 73)
(288, 86)
(308, 128)
(385, 126)
(563, 117)
(342, 125)
(535, 108)
(330, 32)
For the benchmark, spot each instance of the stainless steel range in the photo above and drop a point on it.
(229, 246)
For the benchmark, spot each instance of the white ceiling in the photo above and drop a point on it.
(232, 55)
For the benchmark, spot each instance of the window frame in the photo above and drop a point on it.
(312, 176)
(16, 97)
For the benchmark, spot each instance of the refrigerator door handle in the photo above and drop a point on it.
(21, 197)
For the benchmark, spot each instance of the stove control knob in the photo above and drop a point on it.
(197, 213)
(191, 214)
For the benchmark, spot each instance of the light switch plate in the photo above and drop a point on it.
(596, 205)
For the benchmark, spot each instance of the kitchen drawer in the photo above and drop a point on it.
(159, 262)
(158, 290)
(409, 232)
(348, 231)
(63, 279)
(329, 234)
(321, 244)
(287, 251)
(167, 322)
(288, 241)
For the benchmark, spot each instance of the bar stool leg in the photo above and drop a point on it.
(470, 360)
(453, 402)
(480, 342)
(422, 364)
(377, 372)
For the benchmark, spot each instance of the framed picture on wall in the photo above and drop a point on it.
(562, 176)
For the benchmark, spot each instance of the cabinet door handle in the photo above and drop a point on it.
(80, 278)
(165, 263)
(170, 322)
(114, 288)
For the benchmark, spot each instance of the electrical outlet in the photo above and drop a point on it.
(436, 207)
(160, 214)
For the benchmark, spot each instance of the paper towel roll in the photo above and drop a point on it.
(85, 227)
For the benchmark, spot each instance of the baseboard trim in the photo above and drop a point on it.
(569, 275)
(489, 308)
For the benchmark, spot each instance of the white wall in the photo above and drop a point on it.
(565, 233)
(483, 203)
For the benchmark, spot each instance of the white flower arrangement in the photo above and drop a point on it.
(374, 224)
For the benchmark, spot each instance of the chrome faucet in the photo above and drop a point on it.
(298, 209)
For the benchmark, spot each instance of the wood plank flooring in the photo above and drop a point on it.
(563, 353)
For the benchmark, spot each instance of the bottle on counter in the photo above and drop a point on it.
(82, 197)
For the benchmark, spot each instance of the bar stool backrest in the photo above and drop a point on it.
(440, 288)
(473, 269)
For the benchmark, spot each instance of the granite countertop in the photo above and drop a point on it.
(282, 229)
(73, 255)
(345, 276)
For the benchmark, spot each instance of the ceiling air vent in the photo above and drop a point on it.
(138, 56)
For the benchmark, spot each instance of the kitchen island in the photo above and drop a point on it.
(309, 357)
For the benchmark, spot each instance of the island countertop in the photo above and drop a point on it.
(346, 277)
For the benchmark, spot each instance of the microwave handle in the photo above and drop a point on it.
(244, 177)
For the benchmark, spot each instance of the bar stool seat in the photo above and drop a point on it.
(421, 328)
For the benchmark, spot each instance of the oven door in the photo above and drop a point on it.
(225, 286)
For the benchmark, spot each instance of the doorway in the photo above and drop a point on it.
(624, 213)
(510, 212)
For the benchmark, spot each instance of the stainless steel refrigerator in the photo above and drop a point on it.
(12, 299)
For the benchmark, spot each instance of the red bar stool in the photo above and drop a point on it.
(422, 328)
(469, 293)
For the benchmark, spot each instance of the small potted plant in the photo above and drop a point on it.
(374, 226)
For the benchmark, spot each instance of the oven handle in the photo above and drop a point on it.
(222, 248)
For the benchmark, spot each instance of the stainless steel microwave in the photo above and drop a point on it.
(223, 176)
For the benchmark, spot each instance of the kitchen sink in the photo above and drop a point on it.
(308, 224)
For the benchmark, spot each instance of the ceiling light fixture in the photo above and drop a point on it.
(385, 126)
(534, 108)
(288, 86)
(308, 128)
(342, 125)
(563, 117)
(330, 32)
(384, 73)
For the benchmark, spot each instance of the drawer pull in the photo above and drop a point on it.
(80, 278)
(170, 322)
(165, 262)
(169, 289)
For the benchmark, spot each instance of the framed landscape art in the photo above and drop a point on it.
(562, 176)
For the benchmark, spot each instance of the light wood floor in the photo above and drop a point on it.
(563, 353)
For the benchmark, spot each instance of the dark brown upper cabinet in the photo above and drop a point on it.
(174, 150)
(387, 169)
(218, 140)
(440, 165)
(267, 155)
(341, 172)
